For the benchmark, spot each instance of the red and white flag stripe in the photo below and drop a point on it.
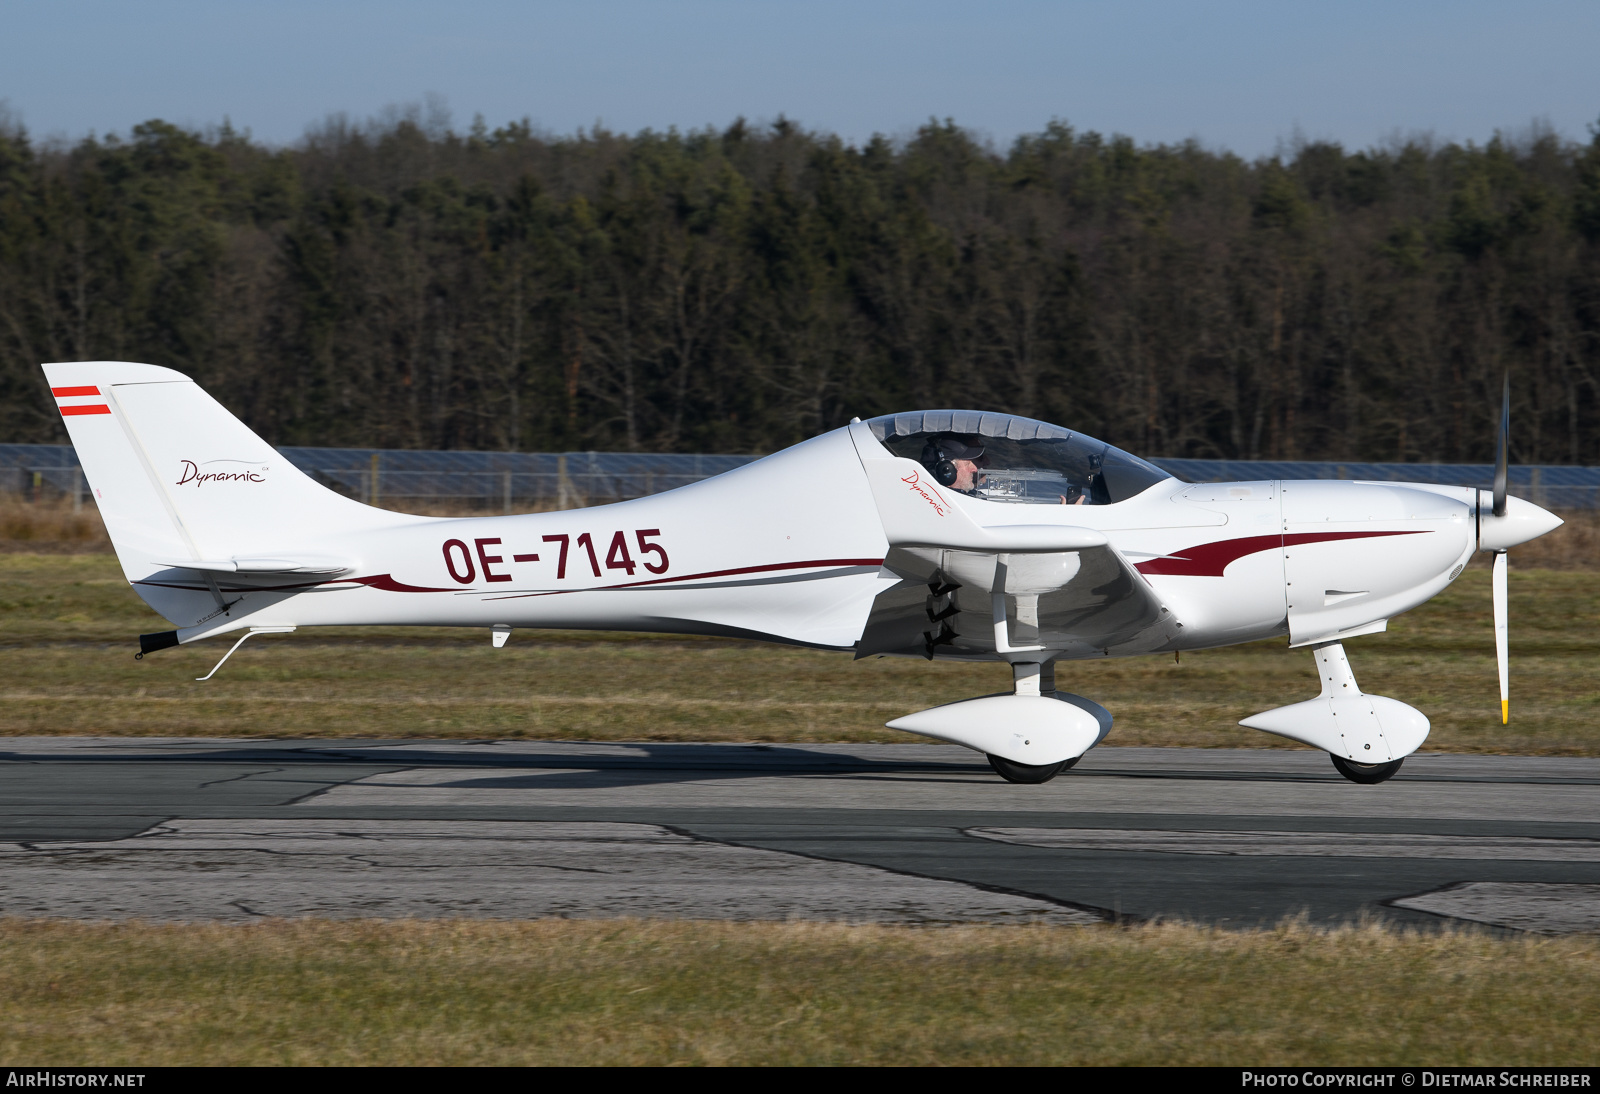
(69, 409)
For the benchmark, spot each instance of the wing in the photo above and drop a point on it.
(955, 604)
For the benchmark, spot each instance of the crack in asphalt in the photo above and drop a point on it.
(239, 778)
(1105, 914)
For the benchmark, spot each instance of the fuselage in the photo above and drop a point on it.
(791, 548)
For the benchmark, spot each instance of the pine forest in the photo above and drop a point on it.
(399, 283)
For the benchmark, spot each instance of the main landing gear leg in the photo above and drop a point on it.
(1030, 679)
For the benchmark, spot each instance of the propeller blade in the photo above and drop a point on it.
(1502, 653)
(1502, 456)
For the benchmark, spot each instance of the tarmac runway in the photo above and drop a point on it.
(194, 829)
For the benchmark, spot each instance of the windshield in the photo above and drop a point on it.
(1001, 457)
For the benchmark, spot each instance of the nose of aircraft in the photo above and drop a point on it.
(1523, 521)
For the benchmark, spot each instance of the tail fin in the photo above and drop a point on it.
(179, 479)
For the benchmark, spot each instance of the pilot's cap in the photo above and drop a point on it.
(952, 447)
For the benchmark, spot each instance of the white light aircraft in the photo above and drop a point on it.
(945, 534)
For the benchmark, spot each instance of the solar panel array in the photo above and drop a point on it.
(525, 481)
(1552, 486)
(396, 478)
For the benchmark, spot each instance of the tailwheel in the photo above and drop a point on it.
(1013, 772)
(1366, 774)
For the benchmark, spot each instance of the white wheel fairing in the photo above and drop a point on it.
(1368, 729)
(1026, 729)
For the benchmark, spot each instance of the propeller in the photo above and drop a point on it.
(1501, 652)
(1502, 460)
(1502, 456)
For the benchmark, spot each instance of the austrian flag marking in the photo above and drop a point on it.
(69, 410)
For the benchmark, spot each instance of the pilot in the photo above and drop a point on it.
(953, 461)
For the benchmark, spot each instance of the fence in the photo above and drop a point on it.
(1549, 485)
(521, 481)
(491, 481)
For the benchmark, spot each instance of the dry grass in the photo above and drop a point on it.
(50, 527)
(53, 526)
(1573, 546)
(68, 625)
(631, 992)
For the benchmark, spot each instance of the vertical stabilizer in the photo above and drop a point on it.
(178, 478)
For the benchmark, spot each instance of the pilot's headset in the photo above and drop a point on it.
(938, 454)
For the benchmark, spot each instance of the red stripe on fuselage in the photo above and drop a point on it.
(1211, 559)
(388, 584)
(709, 574)
(69, 392)
(91, 408)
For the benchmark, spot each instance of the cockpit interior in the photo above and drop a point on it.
(1006, 458)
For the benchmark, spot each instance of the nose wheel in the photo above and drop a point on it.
(1013, 772)
(1365, 774)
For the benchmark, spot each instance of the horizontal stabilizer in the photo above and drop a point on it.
(319, 566)
(1026, 729)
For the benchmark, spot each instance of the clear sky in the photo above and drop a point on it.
(1237, 74)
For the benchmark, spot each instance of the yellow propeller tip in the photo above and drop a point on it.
(1505, 712)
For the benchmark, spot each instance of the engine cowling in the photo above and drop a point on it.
(1355, 554)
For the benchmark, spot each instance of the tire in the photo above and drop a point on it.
(1366, 774)
(1013, 772)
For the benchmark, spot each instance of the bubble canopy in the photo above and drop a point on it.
(1006, 458)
